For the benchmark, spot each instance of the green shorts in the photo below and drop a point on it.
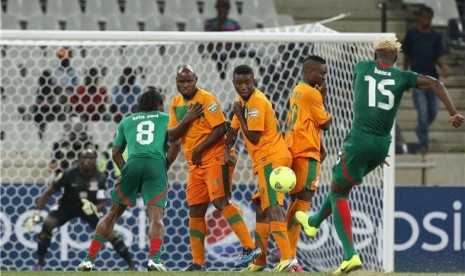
(361, 153)
(146, 176)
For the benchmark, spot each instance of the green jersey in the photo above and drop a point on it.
(378, 89)
(144, 133)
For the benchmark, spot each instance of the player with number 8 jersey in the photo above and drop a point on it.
(145, 134)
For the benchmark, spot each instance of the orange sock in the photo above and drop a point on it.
(262, 233)
(293, 226)
(234, 217)
(197, 232)
(279, 232)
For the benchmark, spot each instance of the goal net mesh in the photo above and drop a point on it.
(41, 105)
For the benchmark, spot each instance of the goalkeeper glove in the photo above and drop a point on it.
(33, 219)
(88, 207)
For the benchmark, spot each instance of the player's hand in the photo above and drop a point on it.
(197, 156)
(237, 109)
(456, 120)
(229, 159)
(33, 219)
(385, 163)
(88, 207)
(322, 88)
(193, 112)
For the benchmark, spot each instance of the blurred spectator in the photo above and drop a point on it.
(50, 104)
(66, 75)
(90, 99)
(65, 151)
(221, 23)
(423, 49)
(125, 94)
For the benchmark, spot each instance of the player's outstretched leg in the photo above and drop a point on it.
(348, 266)
(303, 219)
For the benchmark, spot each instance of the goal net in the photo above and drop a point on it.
(50, 109)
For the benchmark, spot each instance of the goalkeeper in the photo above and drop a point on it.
(84, 197)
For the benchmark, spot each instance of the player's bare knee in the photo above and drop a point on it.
(198, 210)
(275, 213)
(221, 203)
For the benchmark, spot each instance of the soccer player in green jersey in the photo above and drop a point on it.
(145, 134)
(378, 89)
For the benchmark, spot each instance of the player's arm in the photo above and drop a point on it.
(252, 136)
(44, 197)
(231, 138)
(172, 153)
(193, 112)
(326, 125)
(41, 202)
(430, 83)
(217, 133)
(323, 153)
(117, 156)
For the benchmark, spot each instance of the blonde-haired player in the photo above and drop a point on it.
(378, 89)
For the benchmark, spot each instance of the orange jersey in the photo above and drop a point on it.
(307, 113)
(201, 128)
(260, 116)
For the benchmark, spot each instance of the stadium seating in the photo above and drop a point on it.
(134, 15)
(63, 8)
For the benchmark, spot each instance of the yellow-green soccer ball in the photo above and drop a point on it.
(282, 179)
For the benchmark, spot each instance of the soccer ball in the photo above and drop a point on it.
(282, 179)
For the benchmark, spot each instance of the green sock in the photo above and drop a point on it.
(324, 211)
(343, 222)
(156, 256)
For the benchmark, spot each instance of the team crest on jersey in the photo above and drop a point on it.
(93, 185)
(212, 107)
(216, 181)
(253, 113)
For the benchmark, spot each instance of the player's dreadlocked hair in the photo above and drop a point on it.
(387, 44)
(243, 70)
(150, 100)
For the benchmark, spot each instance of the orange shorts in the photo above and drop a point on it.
(266, 196)
(206, 184)
(307, 172)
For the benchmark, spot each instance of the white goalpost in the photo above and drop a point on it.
(27, 136)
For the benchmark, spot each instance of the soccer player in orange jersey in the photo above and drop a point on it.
(197, 119)
(255, 117)
(307, 117)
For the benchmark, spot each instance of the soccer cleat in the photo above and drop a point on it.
(348, 266)
(302, 218)
(247, 256)
(36, 267)
(194, 267)
(152, 266)
(284, 265)
(85, 266)
(254, 268)
(276, 255)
